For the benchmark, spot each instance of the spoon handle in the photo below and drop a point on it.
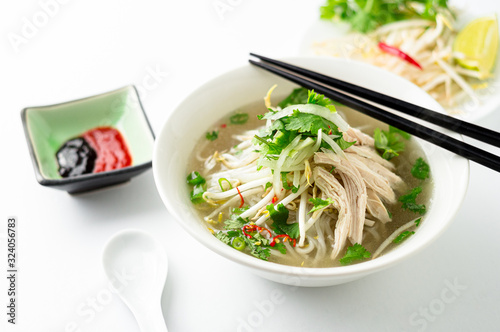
(152, 320)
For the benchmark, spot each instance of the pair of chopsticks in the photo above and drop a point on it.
(334, 89)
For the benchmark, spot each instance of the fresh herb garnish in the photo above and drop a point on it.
(320, 203)
(212, 136)
(421, 169)
(281, 247)
(279, 216)
(308, 123)
(268, 185)
(195, 178)
(354, 253)
(223, 237)
(257, 245)
(417, 222)
(235, 222)
(278, 136)
(409, 201)
(403, 236)
(390, 142)
(197, 194)
(367, 15)
(317, 99)
(298, 96)
(239, 118)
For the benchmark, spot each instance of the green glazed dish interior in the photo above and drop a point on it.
(50, 126)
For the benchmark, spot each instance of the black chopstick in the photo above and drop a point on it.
(458, 147)
(445, 121)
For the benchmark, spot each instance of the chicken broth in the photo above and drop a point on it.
(232, 170)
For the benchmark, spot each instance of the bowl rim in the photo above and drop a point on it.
(360, 269)
(91, 176)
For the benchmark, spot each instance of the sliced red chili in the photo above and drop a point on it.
(241, 196)
(400, 54)
(254, 228)
(223, 125)
(275, 199)
(285, 238)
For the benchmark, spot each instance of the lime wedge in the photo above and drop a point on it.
(477, 45)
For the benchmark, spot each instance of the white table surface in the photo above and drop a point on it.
(89, 47)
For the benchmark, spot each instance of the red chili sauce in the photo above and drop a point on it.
(112, 152)
(97, 150)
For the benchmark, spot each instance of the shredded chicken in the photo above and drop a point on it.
(355, 188)
(331, 187)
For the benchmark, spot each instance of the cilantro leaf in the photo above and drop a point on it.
(354, 253)
(235, 222)
(403, 236)
(267, 115)
(278, 214)
(281, 247)
(223, 237)
(320, 203)
(389, 142)
(342, 143)
(365, 16)
(305, 122)
(421, 169)
(409, 201)
(280, 225)
(417, 222)
(298, 96)
(275, 143)
(260, 252)
(212, 136)
(318, 99)
(235, 233)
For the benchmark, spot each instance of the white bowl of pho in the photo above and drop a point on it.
(298, 188)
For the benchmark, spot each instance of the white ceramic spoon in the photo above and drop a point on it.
(141, 262)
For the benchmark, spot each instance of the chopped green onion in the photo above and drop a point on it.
(195, 178)
(239, 243)
(222, 187)
(239, 118)
(197, 194)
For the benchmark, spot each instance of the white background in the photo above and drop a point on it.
(89, 47)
